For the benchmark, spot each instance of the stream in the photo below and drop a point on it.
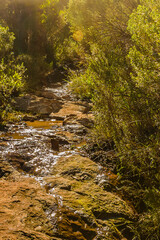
(34, 147)
(74, 200)
(28, 146)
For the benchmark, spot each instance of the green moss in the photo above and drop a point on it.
(74, 179)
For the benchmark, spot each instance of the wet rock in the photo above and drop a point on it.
(61, 140)
(74, 179)
(87, 122)
(57, 117)
(22, 206)
(72, 226)
(31, 155)
(60, 90)
(48, 93)
(20, 161)
(22, 103)
(70, 120)
(56, 141)
(76, 129)
(38, 105)
(55, 144)
(70, 109)
(44, 106)
(75, 115)
(70, 137)
(5, 169)
(29, 118)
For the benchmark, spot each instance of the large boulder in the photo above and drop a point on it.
(24, 207)
(75, 179)
(37, 105)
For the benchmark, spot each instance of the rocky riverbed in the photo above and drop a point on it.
(49, 189)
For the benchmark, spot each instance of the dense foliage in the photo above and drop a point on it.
(111, 50)
(11, 73)
(121, 77)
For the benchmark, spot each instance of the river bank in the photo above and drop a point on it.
(50, 189)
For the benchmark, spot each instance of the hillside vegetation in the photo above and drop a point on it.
(110, 51)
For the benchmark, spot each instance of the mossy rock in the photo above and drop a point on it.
(74, 179)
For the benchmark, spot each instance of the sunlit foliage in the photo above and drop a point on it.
(121, 76)
(111, 50)
(11, 73)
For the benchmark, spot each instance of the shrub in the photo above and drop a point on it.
(11, 73)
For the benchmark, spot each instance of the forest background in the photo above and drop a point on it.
(110, 53)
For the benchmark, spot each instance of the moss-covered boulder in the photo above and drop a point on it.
(102, 214)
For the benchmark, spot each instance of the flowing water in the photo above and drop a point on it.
(33, 147)
(28, 146)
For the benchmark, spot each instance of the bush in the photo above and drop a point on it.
(124, 88)
(11, 73)
(82, 84)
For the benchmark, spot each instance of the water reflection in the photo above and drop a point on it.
(27, 147)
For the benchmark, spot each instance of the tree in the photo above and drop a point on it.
(105, 45)
(144, 57)
(54, 21)
(30, 45)
(11, 73)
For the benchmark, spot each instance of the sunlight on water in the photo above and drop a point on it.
(44, 124)
(28, 147)
(13, 135)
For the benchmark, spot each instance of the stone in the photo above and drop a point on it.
(71, 108)
(38, 105)
(29, 118)
(48, 93)
(56, 141)
(5, 169)
(22, 206)
(56, 116)
(74, 179)
(55, 144)
(86, 121)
